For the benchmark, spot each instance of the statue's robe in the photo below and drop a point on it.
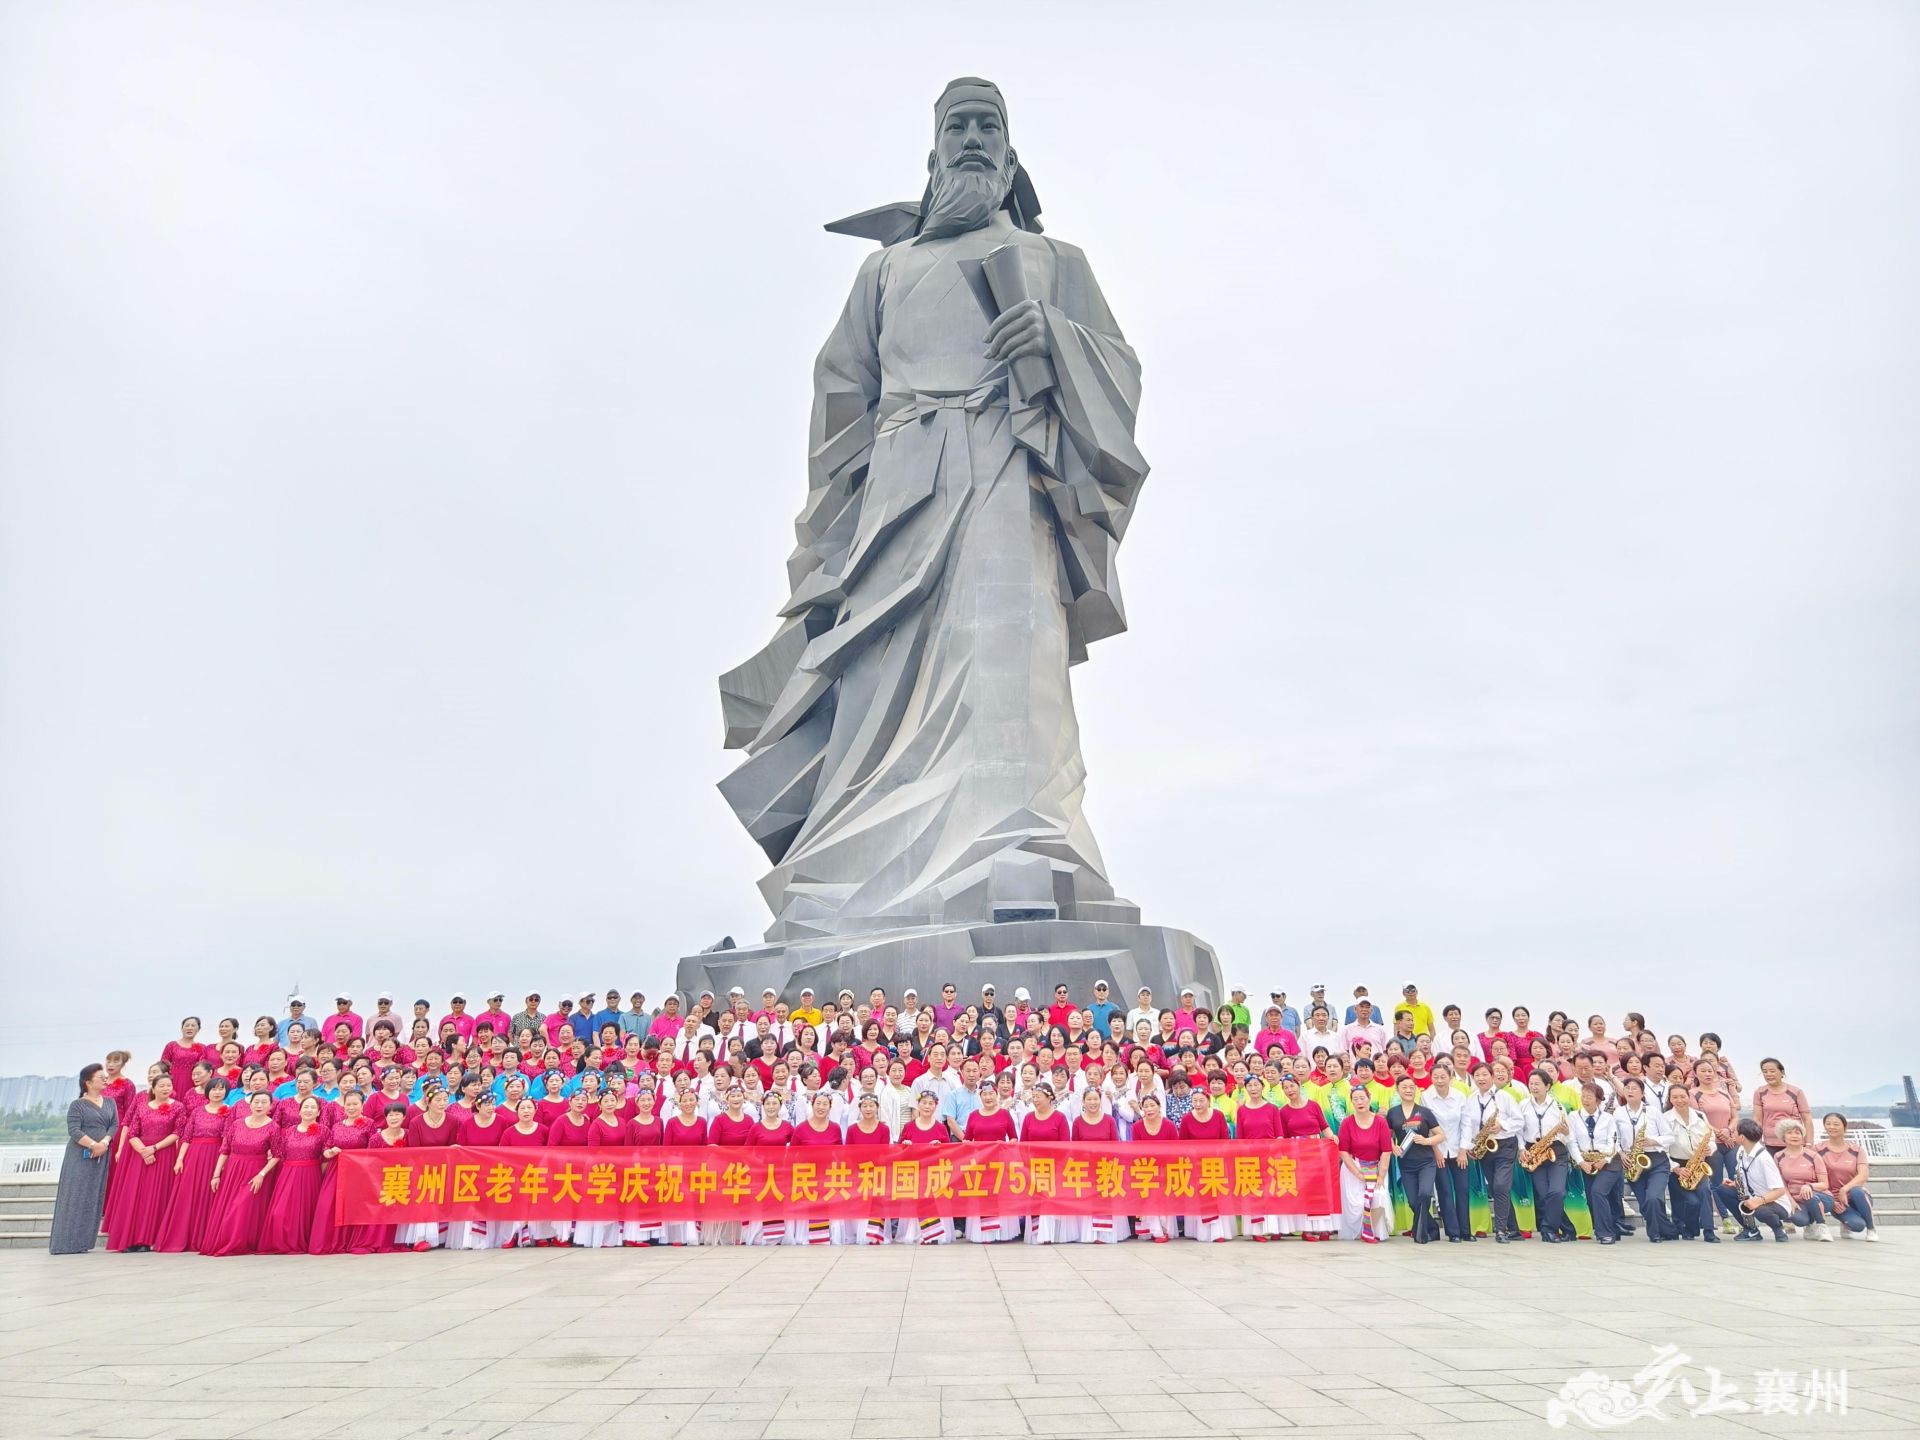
(913, 752)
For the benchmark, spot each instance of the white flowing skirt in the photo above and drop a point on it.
(992, 1229)
(1354, 1218)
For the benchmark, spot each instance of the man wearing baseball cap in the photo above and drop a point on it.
(1145, 1010)
(1235, 1011)
(807, 1012)
(1422, 1012)
(457, 1017)
(530, 1018)
(1289, 1017)
(1104, 1009)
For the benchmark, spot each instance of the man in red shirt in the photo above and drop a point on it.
(1062, 1009)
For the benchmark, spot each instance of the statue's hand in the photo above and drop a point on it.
(1018, 332)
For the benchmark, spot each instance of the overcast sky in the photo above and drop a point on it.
(403, 414)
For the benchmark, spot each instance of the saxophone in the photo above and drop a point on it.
(1637, 1158)
(1484, 1143)
(1696, 1168)
(1541, 1151)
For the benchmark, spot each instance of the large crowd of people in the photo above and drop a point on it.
(1445, 1127)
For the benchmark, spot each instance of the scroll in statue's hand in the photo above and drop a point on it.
(1017, 332)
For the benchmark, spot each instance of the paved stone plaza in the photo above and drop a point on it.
(1137, 1340)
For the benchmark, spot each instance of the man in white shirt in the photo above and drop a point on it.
(909, 1015)
(1144, 1010)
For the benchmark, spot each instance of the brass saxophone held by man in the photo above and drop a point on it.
(1696, 1169)
(1485, 1143)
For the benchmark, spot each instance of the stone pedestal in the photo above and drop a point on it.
(1038, 954)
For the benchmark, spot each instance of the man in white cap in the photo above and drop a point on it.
(383, 1010)
(1144, 1009)
(1235, 1011)
(530, 1018)
(495, 1015)
(1289, 1017)
(909, 1015)
(769, 998)
(457, 1017)
(807, 1012)
(343, 1011)
(1105, 1009)
(668, 1024)
(296, 1015)
(1353, 1010)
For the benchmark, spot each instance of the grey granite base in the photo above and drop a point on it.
(1038, 954)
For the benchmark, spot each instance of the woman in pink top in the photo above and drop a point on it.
(435, 1126)
(288, 1227)
(1365, 1142)
(684, 1129)
(1094, 1126)
(180, 1056)
(924, 1128)
(1154, 1128)
(771, 1133)
(1201, 1124)
(1255, 1119)
(1045, 1125)
(1721, 1106)
(242, 1182)
(153, 1135)
(526, 1133)
(1846, 1166)
(867, 1129)
(485, 1124)
(815, 1130)
(1804, 1173)
(1776, 1101)
(732, 1128)
(199, 1151)
(354, 1130)
(607, 1130)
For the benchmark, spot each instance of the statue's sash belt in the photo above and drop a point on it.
(897, 409)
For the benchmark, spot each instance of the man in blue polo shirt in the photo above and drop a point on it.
(1103, 1009)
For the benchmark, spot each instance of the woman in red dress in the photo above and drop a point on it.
(484, 1124)
(434, 1127)
(153, 1133)
(551, 1101)
(1365, 1144)
(204, 1128)
(180, 1056)
(1153, 1127)
(685, 1128)
(352, 1131)
(1204, 1123)
(266, 1040)
(288, 1228)
(120, 1089)
(643, 1129)
(867, 1129)
(1255, 1119)
(732, 1128)
(1093, 1125)
(992, 1121)
(526, 1133)
(816, 1130)
(774, 1133)
(1045, 1125)
(606, 1130)
(242, 1181)
(572, 1130)
(924, 1127)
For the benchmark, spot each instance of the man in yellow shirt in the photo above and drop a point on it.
(806, 1012)
(1422, 1012)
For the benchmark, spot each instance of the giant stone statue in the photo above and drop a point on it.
(913, 763)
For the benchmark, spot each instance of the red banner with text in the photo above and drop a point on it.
(470, 1182)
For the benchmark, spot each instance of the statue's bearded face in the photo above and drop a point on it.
(972, 169)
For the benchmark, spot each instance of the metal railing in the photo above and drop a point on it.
(1887, 1143)
(30, 1162)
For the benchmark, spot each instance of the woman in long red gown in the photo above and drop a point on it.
(771, 1133)
(606, 1131)
(732, 1128)
(180, 1056)
(816, 1130)
(120, 1089)
(242, 1181)
(204, 1128)
(1093, 1125)
(352, 1131)
(153, 1134)
(1255, 1119)
(288, 1228)
(867, 1129)
(686, 1128)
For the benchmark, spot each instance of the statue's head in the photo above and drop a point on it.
(972, 168)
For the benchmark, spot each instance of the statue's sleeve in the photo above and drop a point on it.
(1096, 470)
(846, 390)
